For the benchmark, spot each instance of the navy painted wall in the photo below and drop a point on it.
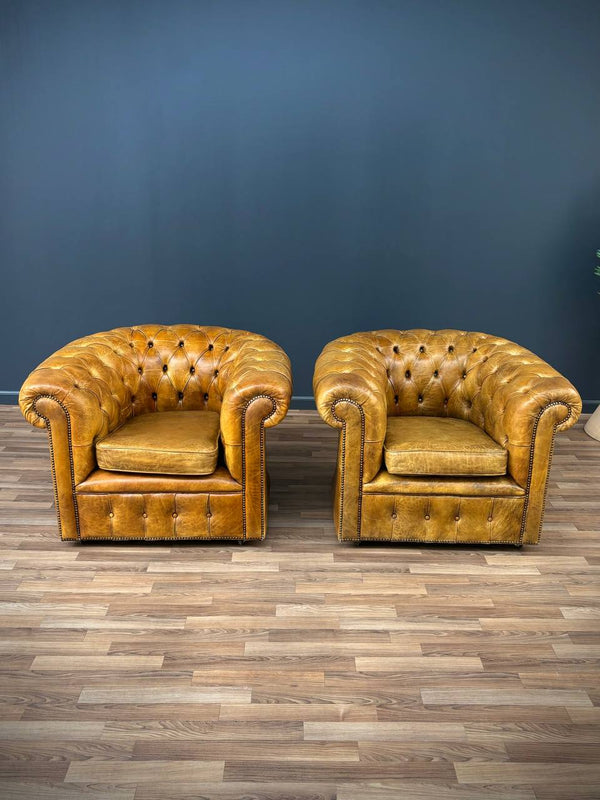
(301, 168)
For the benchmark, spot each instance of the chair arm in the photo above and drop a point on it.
(350, 384)
(79, 397)
(259, 377)
(85, 390)
(523, 401)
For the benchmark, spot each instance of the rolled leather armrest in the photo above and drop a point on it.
(523, 402)
(350, 384)
(78, 400)
(89, 392)
(258, 390)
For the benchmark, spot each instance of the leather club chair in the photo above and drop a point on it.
(445, 436)
(157, 432)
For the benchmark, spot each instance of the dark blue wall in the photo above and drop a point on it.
(301, 168)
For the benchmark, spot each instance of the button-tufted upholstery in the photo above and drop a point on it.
(91, 387)
(511, 394)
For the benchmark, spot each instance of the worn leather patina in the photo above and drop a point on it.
(169, 443)
(513, 396)
(440, 446)
(95, 385)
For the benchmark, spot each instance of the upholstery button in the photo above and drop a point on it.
(181, 395)
(407, 374)
(435, 374)
(144, 515)
(165, 368)
(394, 515)
(216, 372)
(110, 514)
(226, 348)
(150, 344)
(451, 348)
(154, 396)
(396, 349)
(180, 344)
(457, 518)
(474, 349)
(206, 396)
(192, 370)
(421, 349)
(208, 514)
(464, 375)
(174, 515)
(445, 401)
(211, 346)
(420, 398)
(140, 370)
(489, 519)
(396, 399)
(133, 398)
(427, 516)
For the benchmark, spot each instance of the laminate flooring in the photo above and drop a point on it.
(298, 668)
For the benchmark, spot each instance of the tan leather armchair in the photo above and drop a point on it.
(445, 436)
(157, 432)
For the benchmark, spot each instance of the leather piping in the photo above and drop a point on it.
(262, 464)
(71, 465)
(343, 466)
(530, 472)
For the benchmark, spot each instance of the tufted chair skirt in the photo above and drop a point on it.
(87, 392)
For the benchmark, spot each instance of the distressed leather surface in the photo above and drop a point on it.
(92, 386)
(440, 446)
(161, 515)
(130, 482)
(501, 486)
(169, 443)
(518, 399)
(441, 518)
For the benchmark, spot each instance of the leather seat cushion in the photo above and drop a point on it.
(101, 481)
(441, 446)
(163, 442)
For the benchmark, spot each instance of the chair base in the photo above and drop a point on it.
(162, 517)
(438, 519)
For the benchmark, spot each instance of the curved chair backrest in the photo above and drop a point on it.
(155, 368)
(443, 373)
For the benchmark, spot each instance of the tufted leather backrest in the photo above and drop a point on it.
(442, 373)
(489, 381)
(96, 383)
(154, 368)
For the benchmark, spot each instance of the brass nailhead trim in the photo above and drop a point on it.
(163, 539)
(530, 472)
(262, 463)
(343, 465)
(71, 465)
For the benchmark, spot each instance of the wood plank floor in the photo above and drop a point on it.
(300, 667)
